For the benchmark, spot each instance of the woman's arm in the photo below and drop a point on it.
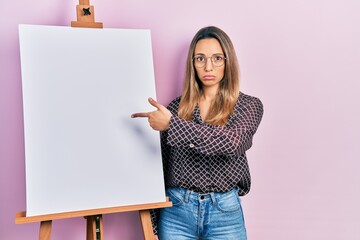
(208, 139)
(217, 140)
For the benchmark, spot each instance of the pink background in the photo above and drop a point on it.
(301, 57)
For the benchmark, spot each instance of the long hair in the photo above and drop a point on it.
(228, 91)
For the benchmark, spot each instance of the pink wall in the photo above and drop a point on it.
(300, 57)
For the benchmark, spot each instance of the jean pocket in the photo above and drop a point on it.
(175, 197)
(228, 202)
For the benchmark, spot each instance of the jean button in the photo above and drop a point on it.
(202, 197)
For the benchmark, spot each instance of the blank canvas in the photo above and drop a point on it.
(82, 149)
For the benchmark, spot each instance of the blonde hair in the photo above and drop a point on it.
(228, 91)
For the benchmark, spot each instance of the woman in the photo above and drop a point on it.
(204, 136)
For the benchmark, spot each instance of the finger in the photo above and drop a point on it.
(143, 114)
(155, 103)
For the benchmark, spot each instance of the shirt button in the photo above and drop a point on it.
(191, 145)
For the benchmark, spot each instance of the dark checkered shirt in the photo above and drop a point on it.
(206, 158)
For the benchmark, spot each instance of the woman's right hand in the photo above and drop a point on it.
(159, 119)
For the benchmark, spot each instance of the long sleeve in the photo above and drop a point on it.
(216, 140)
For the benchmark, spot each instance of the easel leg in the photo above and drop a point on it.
(146, 224)
(94, 228)
(45, 230)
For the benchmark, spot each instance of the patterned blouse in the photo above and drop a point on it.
(208, 158)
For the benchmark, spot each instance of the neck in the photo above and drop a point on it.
(209, 93)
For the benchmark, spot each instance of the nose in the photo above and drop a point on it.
(208, 65)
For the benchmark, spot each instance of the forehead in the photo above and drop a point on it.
(208, 46)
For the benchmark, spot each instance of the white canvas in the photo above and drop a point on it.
(82, 149)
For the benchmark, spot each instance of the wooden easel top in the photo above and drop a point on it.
(85, 16)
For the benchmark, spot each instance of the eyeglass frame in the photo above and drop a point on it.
(211, 58)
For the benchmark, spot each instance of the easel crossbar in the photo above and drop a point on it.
(21, 217)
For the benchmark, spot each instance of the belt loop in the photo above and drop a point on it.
(213, 199)
(187, 195)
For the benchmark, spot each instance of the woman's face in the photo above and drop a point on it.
(208, 52)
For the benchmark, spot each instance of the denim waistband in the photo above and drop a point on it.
(191, 195)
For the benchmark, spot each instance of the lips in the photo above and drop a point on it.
(208, 77)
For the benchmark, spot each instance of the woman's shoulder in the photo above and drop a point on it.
(246, 100)
(173, 106)
(175, 101)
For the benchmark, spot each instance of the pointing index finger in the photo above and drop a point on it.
(142, 114)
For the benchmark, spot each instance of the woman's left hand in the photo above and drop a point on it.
(160, 119)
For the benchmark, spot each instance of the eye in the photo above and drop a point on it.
(218, 58)
(200, 58)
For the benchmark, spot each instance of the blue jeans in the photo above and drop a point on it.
(194, 216)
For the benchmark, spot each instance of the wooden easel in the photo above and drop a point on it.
(94, 226)
(94, 219)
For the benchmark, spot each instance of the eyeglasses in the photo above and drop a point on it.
(217, 60)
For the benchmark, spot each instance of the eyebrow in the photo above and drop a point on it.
(205, 54)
